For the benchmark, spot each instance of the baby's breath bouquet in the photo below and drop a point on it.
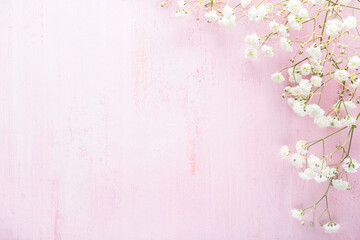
(323, 39)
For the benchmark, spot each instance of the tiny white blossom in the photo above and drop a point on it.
(348, 121)
(308, 174)
(301, 147)
(299, 108)
(305, 69)
(257, 14)
(341, 75)
(316, 81)
(286, 44)
(228, 20)
(277, 77)
(267, 51)
(323, 121)
(251, 53)
(314, 51)
(211, 16)
(252, 40)
(350, 23)
(294, 6)
(295, 22)
(298, 214)
(294, 74)
(284, 151)
(354, 63)
(274, 26)
(314, 162)
(297, 160)
(333, 27)
(350, 165)
(314, 111)
(340, 184)
(284, 30)
(245, 3)
(331, 227)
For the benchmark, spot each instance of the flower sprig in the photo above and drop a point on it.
(323, 39)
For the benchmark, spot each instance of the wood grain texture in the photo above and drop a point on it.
(119, 121)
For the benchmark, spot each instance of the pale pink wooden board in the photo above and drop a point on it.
(119, 121)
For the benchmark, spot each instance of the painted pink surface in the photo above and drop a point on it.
(119, 121)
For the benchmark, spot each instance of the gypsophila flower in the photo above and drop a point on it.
(316, 81)
(340, 184)
(314, 111)
(228, 20)
(305, 69)
(350, 165)
(257, 14)
(252, 40)
(294, 6)
(286, 44)
(267, 51)
(245, 3)
(333, 27)
(284, 30)
(308, 174)
(318, 2)
(211, 16)
(348, 121)
(323, 121)
(301, 147)
(341, 75)
(251, 53)
(350, 22)
(277, 77)
(274, 26)
(295, 22)
(331, 227)
(354, 63)
(284, 151)
(297, 160)
(298, 214)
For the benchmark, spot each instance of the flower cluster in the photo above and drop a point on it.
(321, 37)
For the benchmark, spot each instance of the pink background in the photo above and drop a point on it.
(119, 121)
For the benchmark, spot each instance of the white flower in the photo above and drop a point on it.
(299, 108)
(284, 151)
(333, 27)
(314, 162)
(267, 51)
(305, 69)
(277, 77)
(181, 13)
(284, 30)
(335, 122)
(286, 44)
(354, 63)
(228, 20)
(318, 2)
(320, 178)
(308, 174)
(257, 14)
(314, 111)
(298, 214)
(316, 64)
(227, 11)
(294, 6)
(211, 16)
(355, 83)
(350, 22)
(305, 87)
(252, 40)
(314, 51)
(301, 147)
(245, 3)
(297, 160)
(340, 184)
(316, 81)
(341, 75)
(251, 53)
(295, 22)
(329, 172)
(331, 227)
(322, 122)
(350, 165)
(274, 26)
(348, 121)
(349, 105)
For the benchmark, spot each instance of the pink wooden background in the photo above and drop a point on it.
(119, 121)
